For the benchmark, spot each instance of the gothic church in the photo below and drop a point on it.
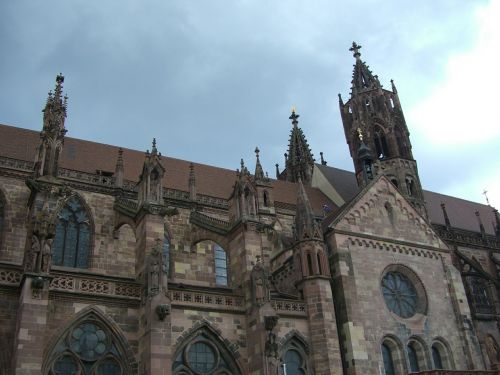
(115, 261)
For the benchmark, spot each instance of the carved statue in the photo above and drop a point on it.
(46, 256)
(32, 255)
(157, 270)
(155, 275)
(260, 284)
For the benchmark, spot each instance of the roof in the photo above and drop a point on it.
(87, 156)
(461, 212)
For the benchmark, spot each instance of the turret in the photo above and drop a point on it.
(151, 179)
(376, 114)
(52, 134)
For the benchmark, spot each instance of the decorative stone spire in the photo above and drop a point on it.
(299, 161)
(192, 183)
(259, 172)
(445, 214)
(323, 161)
(479, 221)
(362, 77)
(151, 179)
(306, 226)
(53, 131)
(119, 169)
(394, 90)
(365, 156)
(277, 171)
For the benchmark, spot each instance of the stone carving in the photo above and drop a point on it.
(157, 270)
(260, 284)
(39, 255)
(162, 311)
(271, 348)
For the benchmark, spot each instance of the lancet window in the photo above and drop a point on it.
(72, 240)
(221, 277)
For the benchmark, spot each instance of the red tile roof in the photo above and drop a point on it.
(86, 156)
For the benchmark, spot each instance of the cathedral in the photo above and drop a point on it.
(117, 261)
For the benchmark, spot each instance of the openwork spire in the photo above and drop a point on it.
(299, 161)
(306, 226)
(362, 77)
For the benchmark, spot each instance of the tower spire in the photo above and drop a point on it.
(119, 169)
(306, 226)
(362, 77)
(299, 161)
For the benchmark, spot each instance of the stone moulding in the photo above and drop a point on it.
(95, 287)
(210, 223)
(395, 247)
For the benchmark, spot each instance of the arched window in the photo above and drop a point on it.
(220, 265)
(436, 358)
(294, 363)
(318, 257)
(202, 355)
(410, 186)
(412, 358)
(294, 356)
(71, 246)
(310, 264)
(266, 199)
(381, 143)
(388, 361)
(441, 355)
(87, 348)
(393, 358)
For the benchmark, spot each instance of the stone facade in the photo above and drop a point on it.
(170, 267)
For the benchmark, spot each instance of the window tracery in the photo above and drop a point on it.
(294, 357)
(71, 246)
(87, 349)
(399, 294)
(203, 355)
(381, 143)
(220, 265)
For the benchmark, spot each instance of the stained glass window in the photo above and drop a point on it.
(479, 294)
(89, 341)
(109, 367)
(66, 365)
(399, 294)
(220, 265)
(412, 357)
(72, 240)
(388, 362)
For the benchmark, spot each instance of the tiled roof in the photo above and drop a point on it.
(86, 156)
(460, 211)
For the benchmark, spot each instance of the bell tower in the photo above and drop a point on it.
(374, 123)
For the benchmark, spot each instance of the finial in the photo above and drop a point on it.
(120, 155)
(481, 226)
(257, 152)
(360, 134)
(323, 162)
(286, 157)
(394, 90)
(153, 148)
(355, 50)
(445, 214)
(294, 116)
(60, 78)
(487, 200)
(340, 99)
(242, 163)
(277, 171)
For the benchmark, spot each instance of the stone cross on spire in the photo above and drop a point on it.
(294, 117)
(355, 50)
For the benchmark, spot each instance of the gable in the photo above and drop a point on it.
(380, 210)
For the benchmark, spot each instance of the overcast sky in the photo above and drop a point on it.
(213, 79)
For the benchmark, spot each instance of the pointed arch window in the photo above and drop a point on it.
(478, 288)
(381, 143)
(203, 355)
(71, 246)
(88, 348)
(294, 357)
